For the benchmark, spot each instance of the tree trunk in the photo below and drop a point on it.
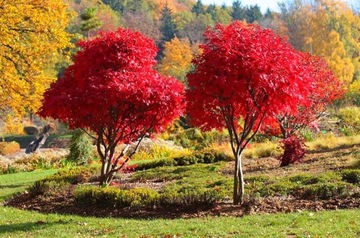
(103, 176)
(238, 181)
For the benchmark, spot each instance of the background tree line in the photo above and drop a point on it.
(326, 28)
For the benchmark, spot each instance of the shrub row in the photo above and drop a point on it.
(143, 197)
(307, 186)
(63, 177)
(73, 175)
(206, 156)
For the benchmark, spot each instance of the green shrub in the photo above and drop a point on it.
(189, 196)
(350, 118)
(73, 175)
(204, 156)
(46, 187)
(326, 190)
(307, 179)
(258, 179)
(115, 197)
(275, 189)
(159, 151)
(81, 151)
(351, 176)
(7, 148)
(197, 139)
(31, 130)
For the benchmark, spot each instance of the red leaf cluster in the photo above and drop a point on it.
(294, 150)
(325, 88)
(112, 88)
(249, 70)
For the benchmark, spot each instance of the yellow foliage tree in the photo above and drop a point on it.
(326, 28)
(177, 59)
(333, 36)
(32, 39)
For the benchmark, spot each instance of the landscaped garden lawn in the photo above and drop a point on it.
(324, 165)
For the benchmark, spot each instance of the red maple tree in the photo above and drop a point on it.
(325, 88)
(244, 77)
(113, 91)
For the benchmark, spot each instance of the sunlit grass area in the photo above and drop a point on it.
(342, 223)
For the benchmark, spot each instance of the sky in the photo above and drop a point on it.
(263, 4)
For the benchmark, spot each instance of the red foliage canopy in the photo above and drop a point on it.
(325, 89)
(244, 77)
(247, 72)
(112, 88)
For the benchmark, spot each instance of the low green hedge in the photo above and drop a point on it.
(205, 156)
(143, 197)
(351, 176)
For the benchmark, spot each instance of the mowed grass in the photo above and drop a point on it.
(18, 182)
(342, 223)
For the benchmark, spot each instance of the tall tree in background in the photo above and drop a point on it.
(243, 78)
(195, 28)
(326, 28)
(177, 59)
(198, 8)
(238, 12)
(32, 38)
(253, 13)
(135, 21)
(89, 21)
(167, 24)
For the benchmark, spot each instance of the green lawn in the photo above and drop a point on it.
(18, 182)
(18, 223)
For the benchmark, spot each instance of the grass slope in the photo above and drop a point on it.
(17, 223)
(18, 182)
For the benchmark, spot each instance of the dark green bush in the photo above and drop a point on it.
(81, 151)
(275, 189)
(351, 176)
(189, 196)
(326, 190)
(257, 179)
(31, 130)
(46, 187)
(205, 156)
(307, 179)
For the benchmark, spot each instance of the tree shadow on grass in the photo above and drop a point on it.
(27, 226)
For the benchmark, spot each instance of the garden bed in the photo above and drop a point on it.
(326, 180)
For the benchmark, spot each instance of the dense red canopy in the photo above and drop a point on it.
(112, 87)
(249, 68)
